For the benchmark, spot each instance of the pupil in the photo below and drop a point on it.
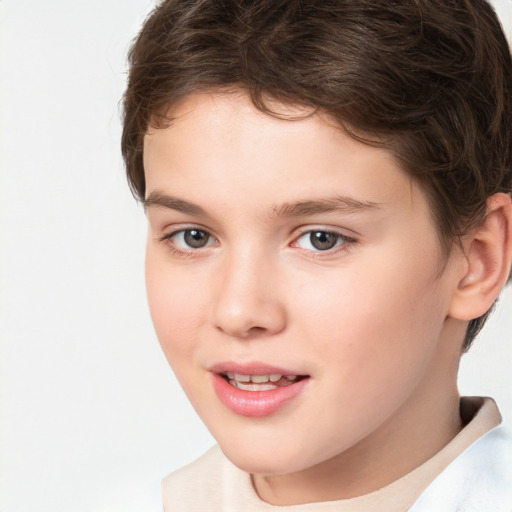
(195, 238)
(322, 240)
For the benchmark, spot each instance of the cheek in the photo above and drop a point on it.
(371, 341)
(175, 305)
(359, 318)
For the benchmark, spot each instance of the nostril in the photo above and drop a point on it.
(257, 330)
(247, 315)
(251, 332)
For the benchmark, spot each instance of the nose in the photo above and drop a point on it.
(247, 302)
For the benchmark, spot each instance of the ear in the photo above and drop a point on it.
(488, 253)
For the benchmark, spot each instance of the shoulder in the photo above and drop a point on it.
(197, 486)
(479, 479)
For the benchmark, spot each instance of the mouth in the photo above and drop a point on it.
(264, 382)
(257, 390)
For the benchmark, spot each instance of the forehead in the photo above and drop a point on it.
(219, 145)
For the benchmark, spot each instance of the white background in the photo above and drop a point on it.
(91, 417)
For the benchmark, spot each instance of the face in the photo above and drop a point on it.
(295, 282)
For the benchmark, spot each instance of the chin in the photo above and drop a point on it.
(271, 460)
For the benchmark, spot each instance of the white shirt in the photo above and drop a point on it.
(473, 473)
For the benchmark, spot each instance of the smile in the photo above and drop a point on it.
(259, 382)
(257, 394)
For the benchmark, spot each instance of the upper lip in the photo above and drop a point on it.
(251, 368)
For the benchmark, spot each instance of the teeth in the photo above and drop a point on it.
(259, 379)
(237, 379)
(251, 386)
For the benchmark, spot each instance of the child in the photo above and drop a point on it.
(327, 185)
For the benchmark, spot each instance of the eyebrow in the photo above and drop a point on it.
(342, 204)
(157, 198)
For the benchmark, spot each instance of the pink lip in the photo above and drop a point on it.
(251, 368)
(254, 404)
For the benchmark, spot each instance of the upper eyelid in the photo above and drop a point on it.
(166, 239)
(346, 239)
(347, 233)
(346, 245)
(299, 232)
(343, 236)
(168, 232)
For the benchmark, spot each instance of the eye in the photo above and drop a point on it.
(190, 238)
(321, 240)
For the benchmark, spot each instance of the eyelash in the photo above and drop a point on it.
(166, 238)
(346, 242)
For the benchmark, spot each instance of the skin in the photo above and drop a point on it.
(368, 320)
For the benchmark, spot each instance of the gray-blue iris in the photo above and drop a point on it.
(323, 240)
(195, 238)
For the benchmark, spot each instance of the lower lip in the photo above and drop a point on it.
(256, 404)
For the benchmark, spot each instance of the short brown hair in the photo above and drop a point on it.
(430, 80)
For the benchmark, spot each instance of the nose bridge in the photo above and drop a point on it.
(247, 301)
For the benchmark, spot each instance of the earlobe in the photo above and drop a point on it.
(488, 253)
